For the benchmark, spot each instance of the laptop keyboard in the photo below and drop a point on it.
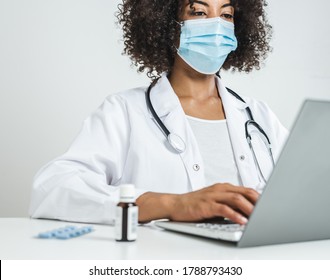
(221, 227)
(226, 231)
(225, 227)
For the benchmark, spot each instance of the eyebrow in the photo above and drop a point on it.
(227, 5)
(207, 5)
(198, 2)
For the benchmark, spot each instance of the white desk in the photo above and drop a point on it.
(17, 241)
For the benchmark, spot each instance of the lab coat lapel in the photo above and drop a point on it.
(236, 117)
(168, 107)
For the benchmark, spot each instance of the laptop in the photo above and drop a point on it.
(295, 203)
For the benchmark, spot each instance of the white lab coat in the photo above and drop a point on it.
(121, 143)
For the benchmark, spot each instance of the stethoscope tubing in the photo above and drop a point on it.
(179, 145)
(153, 112)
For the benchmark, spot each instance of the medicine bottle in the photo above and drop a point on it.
(126, 214)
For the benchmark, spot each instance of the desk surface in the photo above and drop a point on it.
(17, 241)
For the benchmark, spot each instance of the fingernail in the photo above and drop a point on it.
(244, 220)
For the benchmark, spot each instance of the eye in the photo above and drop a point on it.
(197, 13)
(228, 17)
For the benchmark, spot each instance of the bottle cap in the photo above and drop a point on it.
(127, 193)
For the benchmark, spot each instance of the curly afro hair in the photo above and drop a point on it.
(151, 31)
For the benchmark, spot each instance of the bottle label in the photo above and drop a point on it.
(132, 223)
(126, 223)
(119, 223)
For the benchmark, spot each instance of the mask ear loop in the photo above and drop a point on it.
(179, 23)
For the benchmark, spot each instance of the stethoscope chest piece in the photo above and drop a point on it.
(176, 142)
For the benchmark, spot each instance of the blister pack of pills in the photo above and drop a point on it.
(65, 232)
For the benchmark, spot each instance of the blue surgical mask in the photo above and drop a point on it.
(206, 43)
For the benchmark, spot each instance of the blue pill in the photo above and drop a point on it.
(45, 235)
(66, 232)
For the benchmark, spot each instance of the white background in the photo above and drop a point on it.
(60, 59)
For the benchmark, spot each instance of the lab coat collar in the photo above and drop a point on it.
(237, 116)
(163, 98)
(230, 99)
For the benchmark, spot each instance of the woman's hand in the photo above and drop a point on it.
(219, 200)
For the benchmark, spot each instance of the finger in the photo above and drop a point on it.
(223, 210)
(250, 194)
(237, 201)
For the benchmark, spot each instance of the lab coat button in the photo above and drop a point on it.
(196, 167)
(242, 157)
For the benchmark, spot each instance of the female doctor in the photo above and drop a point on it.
(184, 140)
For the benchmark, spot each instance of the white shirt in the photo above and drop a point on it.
(120, 143)
(218, 157)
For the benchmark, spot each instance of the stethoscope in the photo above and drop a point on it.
(179, 145)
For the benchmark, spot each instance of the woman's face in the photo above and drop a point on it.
(207, 9)
(202, 9)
